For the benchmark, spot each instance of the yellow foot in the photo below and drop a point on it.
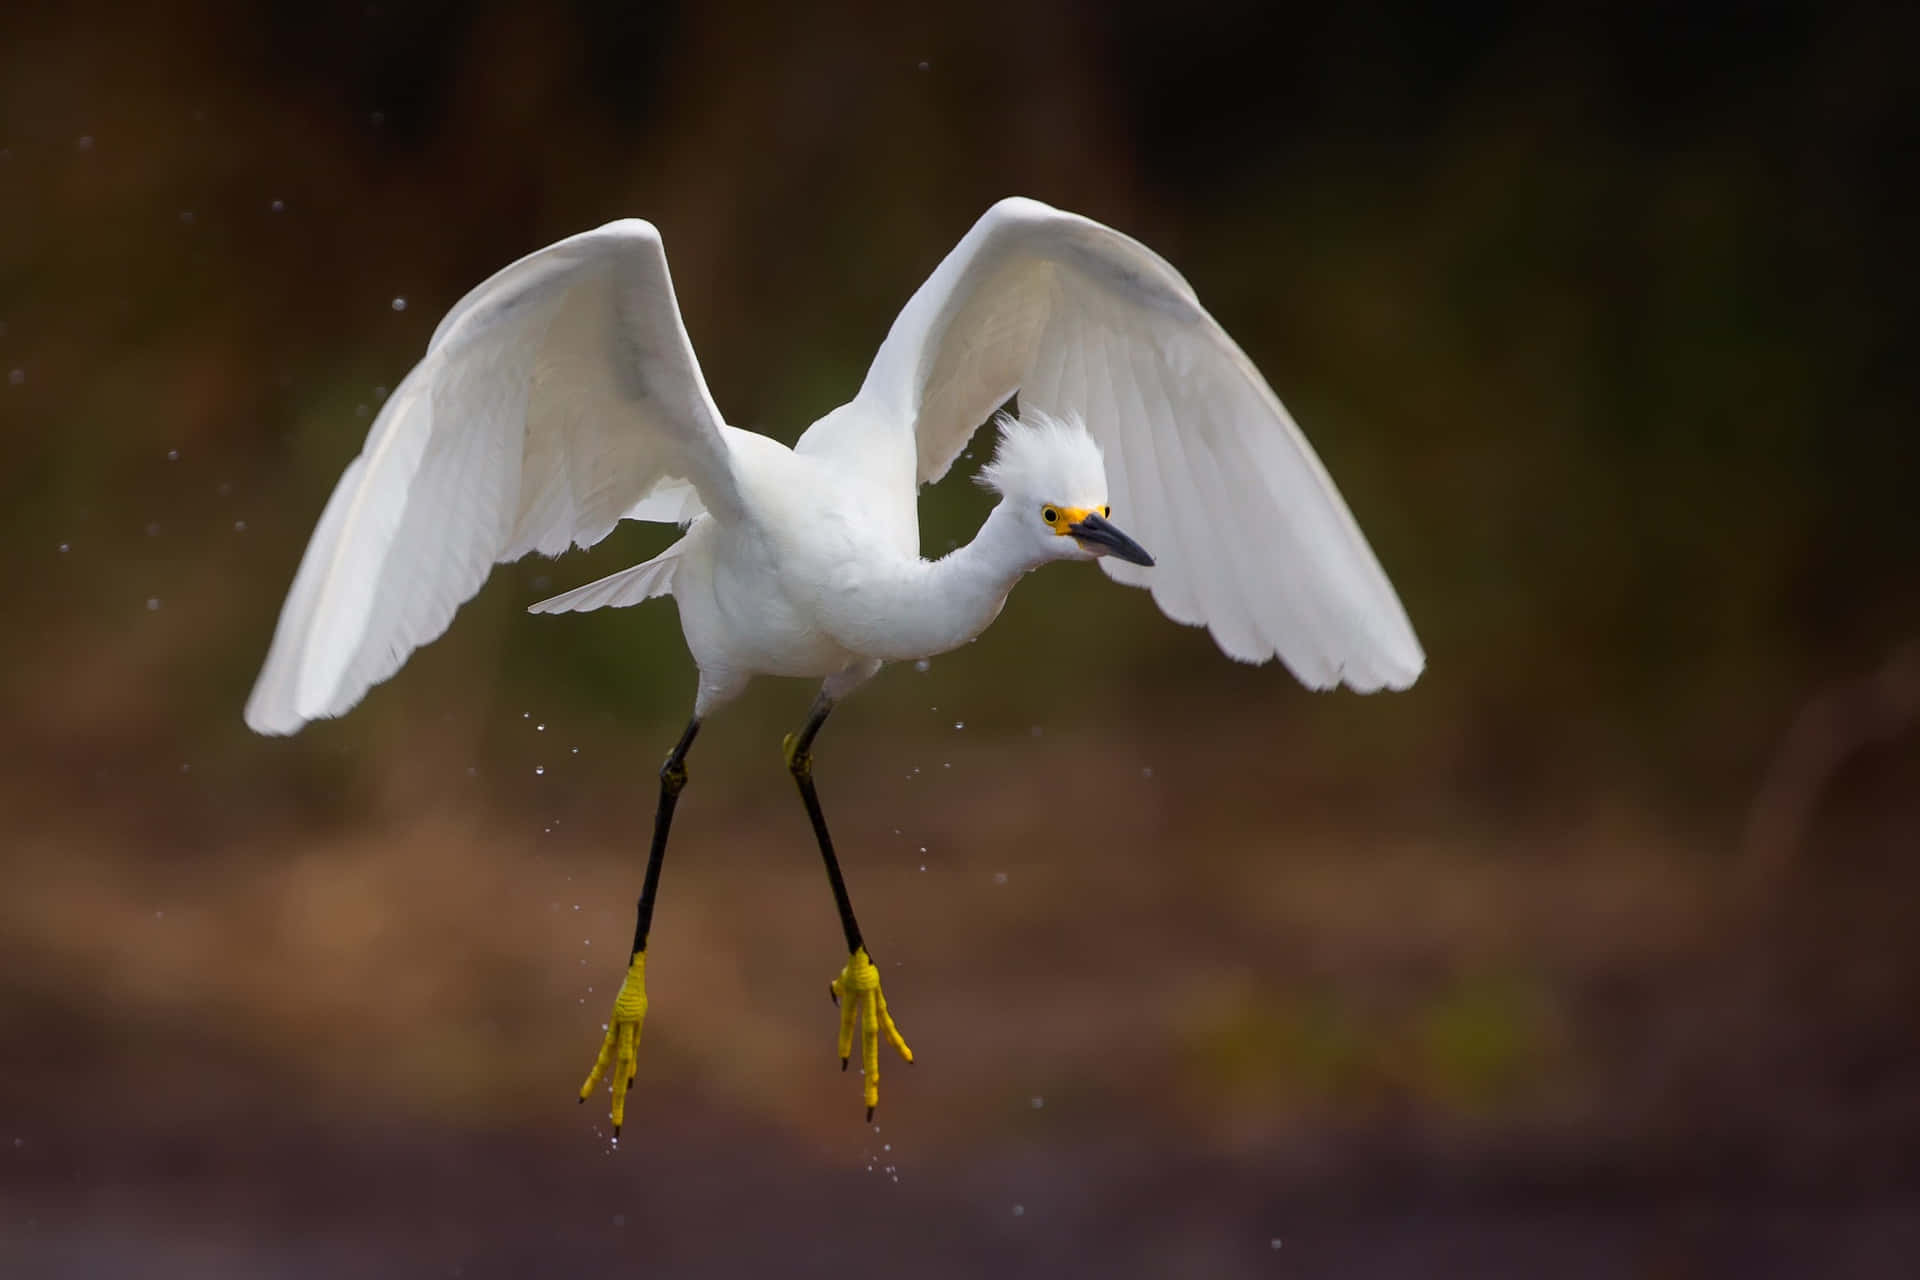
(622, 1040)
(857, 992)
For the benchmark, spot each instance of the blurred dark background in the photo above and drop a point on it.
(1593, 954)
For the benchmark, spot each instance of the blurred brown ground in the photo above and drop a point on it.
(1591, 955)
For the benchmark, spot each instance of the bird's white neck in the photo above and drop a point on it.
(931, 606)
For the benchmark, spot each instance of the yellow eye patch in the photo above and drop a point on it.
(1062, 519)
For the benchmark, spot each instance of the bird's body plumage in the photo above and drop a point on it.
(563, 395)
(824, 578)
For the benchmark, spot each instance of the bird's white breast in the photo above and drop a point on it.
(759, 597)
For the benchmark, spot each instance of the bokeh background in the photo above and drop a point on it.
(1594, 954)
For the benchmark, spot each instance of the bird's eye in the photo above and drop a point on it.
(1050, 516)
(1105, 512)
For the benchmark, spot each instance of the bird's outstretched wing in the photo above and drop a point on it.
(1204, 465)
(555, 398)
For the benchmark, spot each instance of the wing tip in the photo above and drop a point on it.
(274, 715)
(273, 721)
(284, 703)
(1396, 672)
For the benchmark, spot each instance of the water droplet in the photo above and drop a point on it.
(15, 377)
(159, 915)
(153, 528)
(153, 602)
(186, 217)
(959, 724)
(886, 1146)
(920, 664)
(63, 546)
(1147, 772)
(399, 304)
(1035, 731)
(1274, 1243)
(539, 728)
(924, 64)
(1019, 1211)
(239, 526)
(278, 206)
(575, 750)
(84, 142)
(999, 877)
(173, 455)
(1036, 1102)
(539, 769)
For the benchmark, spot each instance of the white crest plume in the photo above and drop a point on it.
(1046, 458)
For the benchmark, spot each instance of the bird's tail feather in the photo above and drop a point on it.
(629, 586)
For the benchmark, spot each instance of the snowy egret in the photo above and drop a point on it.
(562, 396)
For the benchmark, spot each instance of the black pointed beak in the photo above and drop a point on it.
(1098, 531)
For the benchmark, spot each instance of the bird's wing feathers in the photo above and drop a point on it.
(553, 400)
(1204, 464)
(617, 590)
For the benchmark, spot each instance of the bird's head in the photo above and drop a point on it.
(1050, 474)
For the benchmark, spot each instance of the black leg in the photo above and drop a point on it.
(673, 777)
(618, 1047)
(857, 989)
(800, 765)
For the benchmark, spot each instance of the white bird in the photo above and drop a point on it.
(562, 396)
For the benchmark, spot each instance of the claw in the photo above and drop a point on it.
(619, 1047)
(859, 982)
